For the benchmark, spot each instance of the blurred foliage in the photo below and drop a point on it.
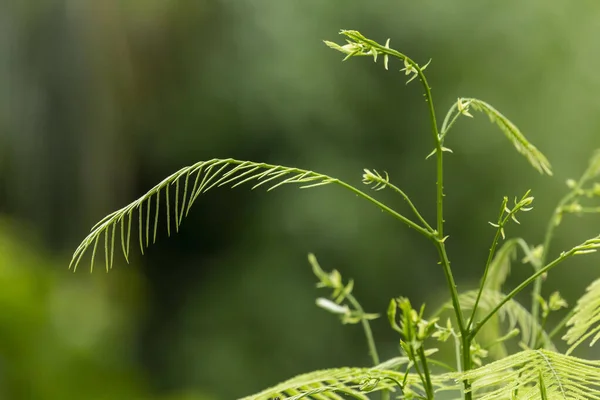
(63, 335)
(101, 100)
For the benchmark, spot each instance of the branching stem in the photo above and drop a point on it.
(519, 288)
(410, 223)
(411, 205)
(552, 224)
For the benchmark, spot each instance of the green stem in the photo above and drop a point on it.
(466, 338)
(442, 364)
(439, 238)
(451, 285)
(562, 323)
(440, 232)
(589, 210)
(589, 173)
(519, 288)
(509, 335)
(412, 206)
(489, 261)
(434, 127)
(387, 209)
(367, 328)
(445, 125)
(385, 395)
(537, 287)
(423, 380)
(466, 363)
(428, 385)
(538, 340)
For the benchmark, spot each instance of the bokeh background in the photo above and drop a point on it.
(100, 100)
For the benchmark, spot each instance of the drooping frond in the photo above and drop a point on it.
(513, 313)
(585, 321)
(523, 146)
(519, 376)
(188, 183)
(500, 266)
(342, 383)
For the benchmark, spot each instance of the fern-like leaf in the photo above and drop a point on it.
(351, 382)
(519, 376)
(188, 183)
(499, 270)
(523, 146)
(513, 313)
(500, 266)
(585, 321)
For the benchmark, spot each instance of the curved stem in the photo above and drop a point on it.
(411, 205)
(537, 287)
(385, 208)
(445, 125)
(367, 328)
(488, 262)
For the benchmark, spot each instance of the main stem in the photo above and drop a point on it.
(438, 236)
(439, 239)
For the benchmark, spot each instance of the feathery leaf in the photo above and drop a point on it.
(585, 321)
(512, 312)
(519, 376)
(523, 146)
(352, 382)
(214, 173)
(500, 266)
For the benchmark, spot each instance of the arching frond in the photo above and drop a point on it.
(342, 383)
(519, 376)
(500, 265)
(188, 184)
(513, 313)
(585, 321)
(523, 146)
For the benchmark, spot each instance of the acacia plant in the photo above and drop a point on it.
(482, 320)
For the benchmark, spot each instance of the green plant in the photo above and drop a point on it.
(493, 317)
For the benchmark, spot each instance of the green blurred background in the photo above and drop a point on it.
(100, 100)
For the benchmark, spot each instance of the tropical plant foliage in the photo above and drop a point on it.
(518, 376)
(353, 382)
(512, 313)
(585, 321)
(494, 316)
